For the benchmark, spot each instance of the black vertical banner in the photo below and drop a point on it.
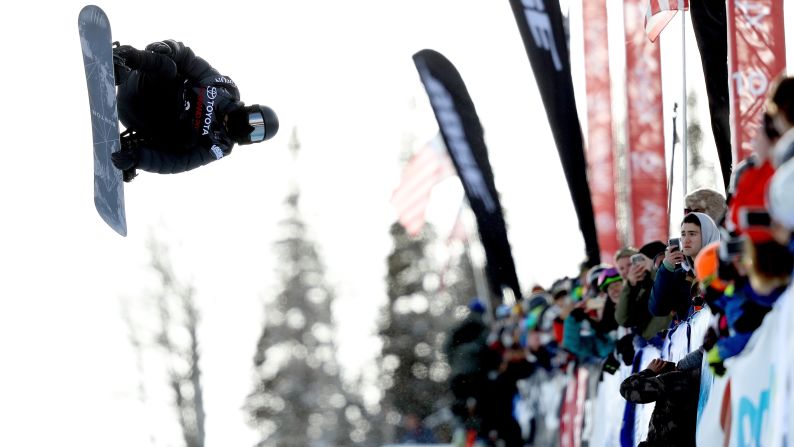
(463, 136)
(710, 23)
(541, 27)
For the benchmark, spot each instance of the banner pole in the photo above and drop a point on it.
(476, 254)
(685, 103)
(671, 180)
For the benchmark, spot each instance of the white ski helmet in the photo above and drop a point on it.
(779, 195)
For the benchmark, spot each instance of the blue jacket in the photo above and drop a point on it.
(745, 311)
(672, 291)
(586, 347)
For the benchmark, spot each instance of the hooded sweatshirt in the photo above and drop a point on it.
(672, 288)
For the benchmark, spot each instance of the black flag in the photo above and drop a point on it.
(541, 27)
(463, 136)
(711, 32)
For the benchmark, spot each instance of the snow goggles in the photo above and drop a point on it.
(257, 121)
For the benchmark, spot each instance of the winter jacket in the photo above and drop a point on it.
(745, 311)
(179, 114)
(673, 287)
(676, 394)
(632, 309)
(470, 359)
(671, 291)
(581, 340)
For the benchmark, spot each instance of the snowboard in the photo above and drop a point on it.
(96, 43)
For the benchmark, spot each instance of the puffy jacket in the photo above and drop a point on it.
(178, 113)
(672, 291)
(632, 309)
(745, 310)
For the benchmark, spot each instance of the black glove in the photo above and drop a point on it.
(578, 314)
(128, 175)
(611, 364)
(710, 339)
(159, 47)
(130, 56)
(125, 158)
(625, 348)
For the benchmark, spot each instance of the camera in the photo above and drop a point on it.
(731, 247)
(639, 258)
(754, 218)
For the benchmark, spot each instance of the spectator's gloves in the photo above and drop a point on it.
(578, 314)
(130, 56)
(716, 362)
(611, 364)
(710, 339)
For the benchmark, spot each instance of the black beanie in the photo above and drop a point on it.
(653, 249)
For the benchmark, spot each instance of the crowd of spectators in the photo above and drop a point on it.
(733, 255)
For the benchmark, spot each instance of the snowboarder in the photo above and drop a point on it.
(179, 112)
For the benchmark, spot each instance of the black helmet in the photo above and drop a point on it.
(263, 123)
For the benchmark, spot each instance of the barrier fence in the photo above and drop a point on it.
(750, 405)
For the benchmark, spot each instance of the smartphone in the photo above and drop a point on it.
(674, 244)
(639, 258)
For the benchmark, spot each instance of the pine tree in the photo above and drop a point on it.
(299, 398)
(702, 173)
(423, 303)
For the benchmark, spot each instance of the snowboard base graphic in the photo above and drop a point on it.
(96, 43)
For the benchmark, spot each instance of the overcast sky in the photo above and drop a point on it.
(341, 74)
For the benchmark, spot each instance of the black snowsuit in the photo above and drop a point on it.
(178, 113)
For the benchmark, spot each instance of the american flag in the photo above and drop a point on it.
(423, 171)
(660, 13)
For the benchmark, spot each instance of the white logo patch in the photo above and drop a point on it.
(216, 151)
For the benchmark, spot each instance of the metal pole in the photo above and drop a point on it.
(476, 253)
(671, 180)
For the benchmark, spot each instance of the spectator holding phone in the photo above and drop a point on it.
(623, 260)
(632, 308)
(672, 289)
(580, 336)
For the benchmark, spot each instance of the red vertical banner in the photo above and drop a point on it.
(645, 130)
(757, 54)
(572, 408)
(600, 141)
